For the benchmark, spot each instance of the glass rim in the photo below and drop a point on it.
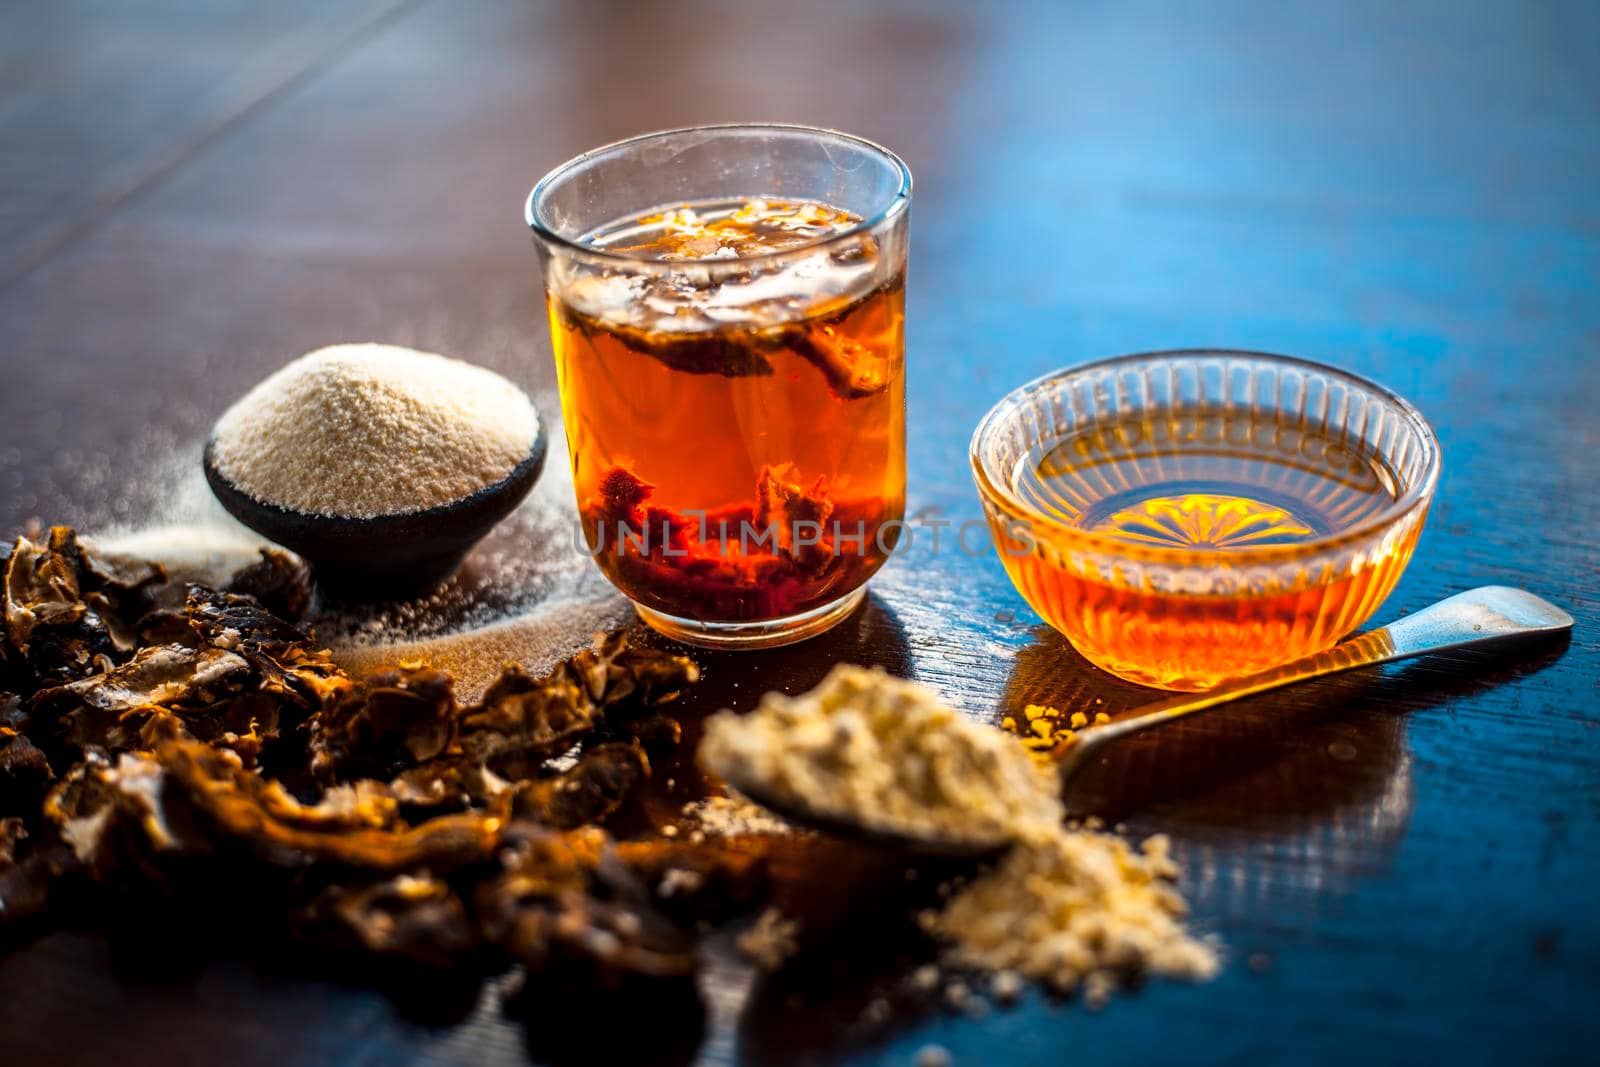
(1417, 495)
(896, 207)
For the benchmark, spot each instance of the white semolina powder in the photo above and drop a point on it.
(519, 599)
(362, 430)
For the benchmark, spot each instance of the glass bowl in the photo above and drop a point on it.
(1189, 517)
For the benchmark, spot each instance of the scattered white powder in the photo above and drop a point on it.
(521, 596)
(770, 940)
(191, 553)
(538, 639)
(169, 515)
(679, 880)
(733, 816)
(369, 429)
(459, 631)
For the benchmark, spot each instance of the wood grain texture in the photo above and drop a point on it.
(1402, 863)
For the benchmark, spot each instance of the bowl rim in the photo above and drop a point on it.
(575, 247)
(1415, 497)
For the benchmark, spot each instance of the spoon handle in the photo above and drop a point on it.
(1479, 616)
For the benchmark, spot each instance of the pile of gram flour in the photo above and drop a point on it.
(362, 430)
(1066, 906)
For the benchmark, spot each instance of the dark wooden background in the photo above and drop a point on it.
(1404, 866)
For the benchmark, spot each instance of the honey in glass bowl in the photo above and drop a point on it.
(1186, 518)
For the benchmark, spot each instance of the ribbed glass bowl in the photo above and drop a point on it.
(1193, 583)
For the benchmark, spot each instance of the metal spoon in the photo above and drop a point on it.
(1482, 616)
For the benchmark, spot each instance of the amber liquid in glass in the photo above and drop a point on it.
(1235, 485)
(736, 432)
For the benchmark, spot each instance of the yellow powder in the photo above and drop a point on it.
(886, 754)
(1074, 908)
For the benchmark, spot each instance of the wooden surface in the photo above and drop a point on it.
(1402, 865)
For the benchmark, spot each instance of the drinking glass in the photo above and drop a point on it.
(727, 318)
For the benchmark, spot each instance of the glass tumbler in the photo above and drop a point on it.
(727, 310)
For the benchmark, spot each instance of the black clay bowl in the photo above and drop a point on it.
(389, 557)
